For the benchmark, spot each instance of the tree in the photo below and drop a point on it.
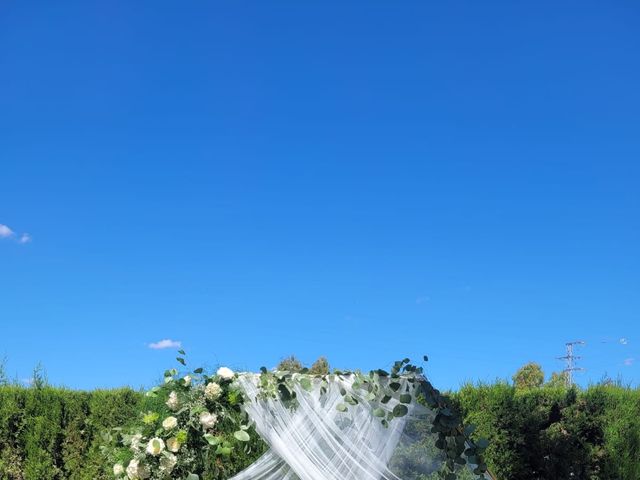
(290, 364)
(528, 376)
(557, 380)
(320, 367)
(39, 377)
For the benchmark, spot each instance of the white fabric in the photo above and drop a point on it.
(315, 441)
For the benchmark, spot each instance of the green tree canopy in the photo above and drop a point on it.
(529, 376)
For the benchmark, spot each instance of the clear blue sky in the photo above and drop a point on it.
(362, 180)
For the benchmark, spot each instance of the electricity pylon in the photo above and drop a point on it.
(570, 360)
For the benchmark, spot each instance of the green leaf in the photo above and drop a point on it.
(341, 407)
(181, 352)
(223, 450)
(242, 436)
(211, 439)
(181, 360)
(405, 398)
(400, 410)
(395, 386)
(378, 412)
(198, 370)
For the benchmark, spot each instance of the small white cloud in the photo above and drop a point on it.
(5, 232)
(623, 341)
(166, 343)
(629, 361)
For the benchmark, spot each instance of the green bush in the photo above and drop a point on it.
(535, 434)
(556, 433)
(53, 433)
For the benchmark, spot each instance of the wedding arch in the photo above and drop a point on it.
(380, 425)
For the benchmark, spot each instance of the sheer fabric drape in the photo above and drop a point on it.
(315, 441)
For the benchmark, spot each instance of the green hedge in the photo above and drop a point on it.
(541, 433)
(54, 433)
(556, 433)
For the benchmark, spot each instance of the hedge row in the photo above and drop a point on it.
(54, 433)
(556, 433)
(535, 434)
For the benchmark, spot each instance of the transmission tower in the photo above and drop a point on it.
(570, 361)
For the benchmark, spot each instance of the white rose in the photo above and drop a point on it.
(173, 445)
(118, 469)
(208, 420)
(212, 391)
(173, 402)
(137, 471)
(168, 461)
(155, 446)
(187, 380)
(169, 423)
(225, 373)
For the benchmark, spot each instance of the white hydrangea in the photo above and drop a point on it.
(208, 420)
(118, 469)
(187, 380)
(173, 445)
(212, 391)
(170, 423)
(225, 373)
(173, 403)
(168, 461)
(136, 470)
(155, 446)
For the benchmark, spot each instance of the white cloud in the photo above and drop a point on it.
(629, 361)
(166, 343)
(5, 232)
(623, 341)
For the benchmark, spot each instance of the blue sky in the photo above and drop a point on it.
(361, 180)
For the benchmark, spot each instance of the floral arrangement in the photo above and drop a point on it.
(195, 426)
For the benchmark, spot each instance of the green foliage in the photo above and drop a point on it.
(529, 376)
(195, 425)
(557, 380)
(555, 432)
(320, 367)
(290, 364)
(54, 433)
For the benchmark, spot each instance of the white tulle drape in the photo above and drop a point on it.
(315, 441)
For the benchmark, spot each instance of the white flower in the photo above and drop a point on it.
(169, 423)
(168, 461)
(187, 380)
(137, 471)
(155, 446)
(173, 445)
(118, 469)
(225, 373)
(212, 391)
(208, 420)
(135, 441)
(173, 403)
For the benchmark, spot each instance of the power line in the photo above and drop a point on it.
(570, 360)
